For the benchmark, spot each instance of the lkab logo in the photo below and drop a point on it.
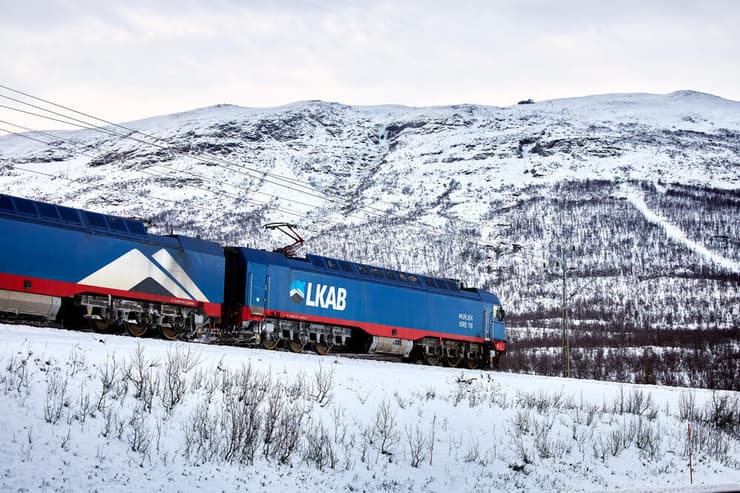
(318, 295)
(297, 291)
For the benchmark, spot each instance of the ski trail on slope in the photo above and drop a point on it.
(638, 200)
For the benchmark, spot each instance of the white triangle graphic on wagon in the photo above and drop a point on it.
(130, 269)
(170, 264)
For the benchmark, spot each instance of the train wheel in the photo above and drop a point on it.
(296, 346)
(453, 361)
(323, 348)
(135, 329)
(169, 333)
(98, 325)
(431, 359)
(268, 342)
(471, 362)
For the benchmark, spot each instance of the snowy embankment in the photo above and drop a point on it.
(86, 412)
(638, 200)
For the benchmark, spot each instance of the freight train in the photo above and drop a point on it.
(70, 266)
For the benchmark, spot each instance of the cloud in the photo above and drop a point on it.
(139, 58)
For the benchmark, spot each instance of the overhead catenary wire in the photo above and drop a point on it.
(115, 134)
(56, 138)
(289, 183)
(72, 180)
(260, 174)
(203, 177)
(292, 182)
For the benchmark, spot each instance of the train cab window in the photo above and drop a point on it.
(6, 203)
(117, 224)
(363, 270)
(69, 215)
(48, 211)
(96, 221)
(403, 277)
(136, 227)
(25, 206)
(332, 264)
(376, 272)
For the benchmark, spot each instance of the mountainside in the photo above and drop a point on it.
(639, 193)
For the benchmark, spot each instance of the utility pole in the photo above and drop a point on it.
(564, 322)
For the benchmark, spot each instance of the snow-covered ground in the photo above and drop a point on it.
(92, 412)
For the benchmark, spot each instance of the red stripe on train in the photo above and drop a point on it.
(25, 284)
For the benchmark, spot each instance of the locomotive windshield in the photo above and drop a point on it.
(499, 313)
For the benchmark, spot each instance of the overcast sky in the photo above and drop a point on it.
(130, 59)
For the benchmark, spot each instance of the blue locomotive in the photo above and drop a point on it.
(68, 265)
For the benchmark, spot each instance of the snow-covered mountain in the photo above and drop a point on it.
(641, 192)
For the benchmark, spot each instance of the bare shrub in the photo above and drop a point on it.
(139, 437)
(522, 451)
(84, 407)
(617, 441)
(541, 401)
(18, 372)
(472, 455)
(240, 416)
(179, 362)
(108, 374)
(522, 421)
(140, 373)
(635, 402)
(201, 437)
(297, 389)
(383, 433)
(319, 448)
(418, 445)
(687, 408)
(323, 386)
(66, 439)
(712, 442)
(647, 438)
(108, 423)
(275, 403)
(640, 404)
(56, 397)
(461, 389)
(544, 445)
(76, 360)
(723, 413)
(432, 438)
(288, 431)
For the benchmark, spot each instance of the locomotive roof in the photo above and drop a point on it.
(343, 268)
(93, 222)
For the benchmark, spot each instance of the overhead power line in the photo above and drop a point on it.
(293, 184)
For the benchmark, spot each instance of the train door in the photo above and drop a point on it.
(487, 324)
(258, 287)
